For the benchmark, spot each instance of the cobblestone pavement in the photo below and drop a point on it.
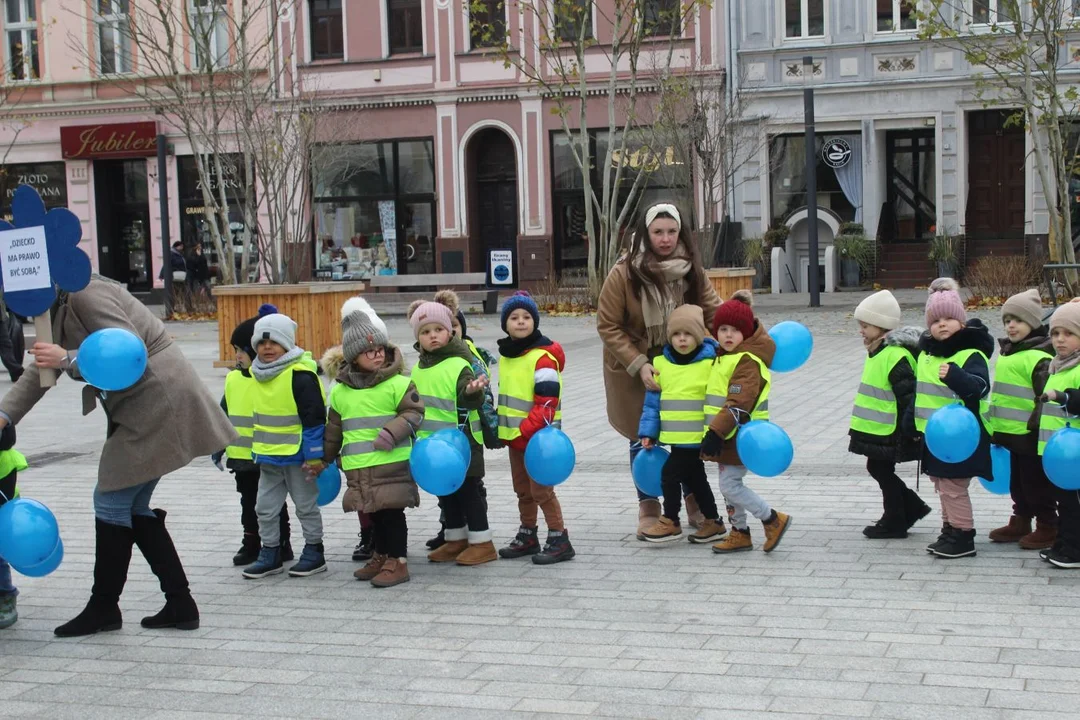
(829, 625)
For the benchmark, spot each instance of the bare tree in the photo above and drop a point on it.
(633, 34)
(1018, 48)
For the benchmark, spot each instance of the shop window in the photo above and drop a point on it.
(662, 17)
(21, 44)
(194, 227)
(839, 189)
(804, 18)
(406, 26)
(487, 23)
(327, 30)
(990, 12)
(896, 16)
(113, 36)
(209, 34)
(49, 179)
(911, 185)
(374, 208)
(571, 18)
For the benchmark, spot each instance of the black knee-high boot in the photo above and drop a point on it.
(112, 555)
(157, 547)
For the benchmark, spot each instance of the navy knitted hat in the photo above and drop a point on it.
(521, 300)
(241, 336)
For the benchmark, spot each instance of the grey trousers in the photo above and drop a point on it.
(277, 481)
(742, 498)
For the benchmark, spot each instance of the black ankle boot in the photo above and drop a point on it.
(157, 547)
(914, 508)
(112, 555)
(249, 550)
(362, 552)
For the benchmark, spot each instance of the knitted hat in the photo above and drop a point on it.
(521, 300)
(1067, 316)
(736, 312)
(428, 313)
(689, 319)
(945, 302)
(880, 310)
(1025, 307)
(361, 329)
(277, 328)
(241, 336)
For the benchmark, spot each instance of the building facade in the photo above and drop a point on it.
(904, 143)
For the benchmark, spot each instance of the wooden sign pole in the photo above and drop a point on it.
(43, 330)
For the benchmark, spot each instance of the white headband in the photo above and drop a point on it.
(655, 210)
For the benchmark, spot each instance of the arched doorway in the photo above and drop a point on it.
(494, 206)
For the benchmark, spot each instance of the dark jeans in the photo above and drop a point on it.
(466, 507)
(247, 484)
(390, 534)
(1033, 495)
(1069, 526)
(892, 487)
(685, 469)
(635, 448)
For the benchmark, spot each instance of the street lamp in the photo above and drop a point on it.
(811, 179)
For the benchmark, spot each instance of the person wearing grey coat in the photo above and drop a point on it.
(158, 425)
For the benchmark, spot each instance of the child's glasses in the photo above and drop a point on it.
(375, 352)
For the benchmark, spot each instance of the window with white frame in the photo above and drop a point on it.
(662, 18)
(113, 18)
(487, 23)
(21, 41)
(897, 15)
(990, 12)
(804, 18)
(209, 33)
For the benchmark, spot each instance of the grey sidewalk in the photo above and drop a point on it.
(829, 625)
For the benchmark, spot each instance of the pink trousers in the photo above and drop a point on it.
(955, 501)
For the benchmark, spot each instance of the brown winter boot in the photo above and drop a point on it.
(736, 541)
(709, 531)
(694, 517)
(448, 551)
(478, 554)
(372, 568)
(775, 529)
(1043, 537)
(648, 515)
(394, 572)
(1017, 528)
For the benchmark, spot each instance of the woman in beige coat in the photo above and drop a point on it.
(156, 426)
(660, 271)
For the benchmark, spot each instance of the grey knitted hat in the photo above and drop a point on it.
(276, 327)
(361, 329)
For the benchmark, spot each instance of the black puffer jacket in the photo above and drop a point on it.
(1038, 340)
(970, 383)
(898, 447)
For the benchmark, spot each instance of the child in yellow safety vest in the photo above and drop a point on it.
(953, 365)
(1019, 379)
(11, 462)
(287, 444)
(238, 403)
(886, 393)
(530, 398)
(450, 388)
(1060, 406)
(375, 412)
(738, 391)
(675, 416)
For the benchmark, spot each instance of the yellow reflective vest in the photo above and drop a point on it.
(240, 400)
(517, 392)
(717, 390)
(682, 400)
(931, 392)
(11, 461)
(1054, 417)
(437, 386)
(363, 414)
(875, 410)
(277, 430)
(1012, 395)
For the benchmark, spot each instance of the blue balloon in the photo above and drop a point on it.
(1061, 458)
(437, 466)
(1002, 470)
(28, 532)
(550, 456)
(329, 483)
(646, 470)
(764, 448)
(952, 433)
(47, 565)
(112, 359)
(794, 343)
(457, 438)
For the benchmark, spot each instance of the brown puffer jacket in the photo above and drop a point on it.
(743, 390)
(383, 487)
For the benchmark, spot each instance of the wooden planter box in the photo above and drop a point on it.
(316, 308)
(727, 280)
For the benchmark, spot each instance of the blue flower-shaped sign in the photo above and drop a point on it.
(39, 252)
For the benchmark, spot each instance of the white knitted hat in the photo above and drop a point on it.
(880, 310)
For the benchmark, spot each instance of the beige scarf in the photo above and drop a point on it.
(658, 302)
(1061, 364)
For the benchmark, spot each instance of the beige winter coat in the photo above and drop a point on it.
(621, 326)
(160, 424)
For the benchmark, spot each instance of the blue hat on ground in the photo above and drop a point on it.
(521, 300)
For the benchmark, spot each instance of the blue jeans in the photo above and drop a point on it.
(635, 448)
(117, 507)
(6, 588)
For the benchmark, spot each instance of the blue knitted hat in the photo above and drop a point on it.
(521, 300)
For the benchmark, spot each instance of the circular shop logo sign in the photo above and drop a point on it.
(836, 153)
(501, 273)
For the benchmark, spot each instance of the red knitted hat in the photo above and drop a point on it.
(737, 313)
